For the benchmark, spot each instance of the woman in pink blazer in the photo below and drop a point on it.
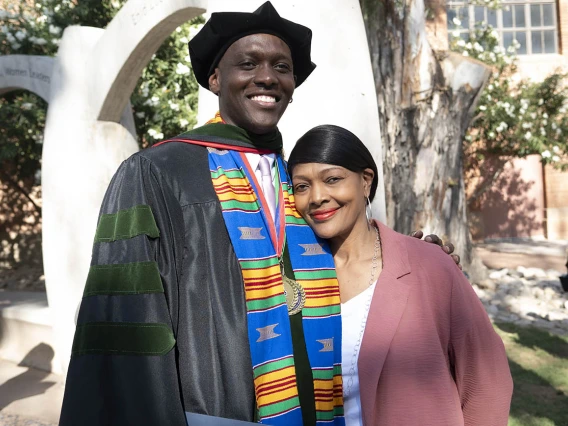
(418, 347)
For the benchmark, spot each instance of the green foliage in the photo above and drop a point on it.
(515, 117)
(164, 101)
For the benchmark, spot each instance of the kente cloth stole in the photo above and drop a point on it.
(258, 244)
(216, 119)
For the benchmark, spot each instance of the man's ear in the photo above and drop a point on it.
(214, 83)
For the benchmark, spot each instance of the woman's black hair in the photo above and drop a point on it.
(329, 144)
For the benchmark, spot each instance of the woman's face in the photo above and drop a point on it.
(331, 198)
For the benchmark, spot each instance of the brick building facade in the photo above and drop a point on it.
(529, 200)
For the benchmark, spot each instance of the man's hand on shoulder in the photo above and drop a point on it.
(434, 239)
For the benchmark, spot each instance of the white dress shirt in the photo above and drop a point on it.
(254, 160)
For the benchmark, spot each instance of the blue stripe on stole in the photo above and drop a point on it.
(251, 249)
(291, 418)
(274, 347)
(225, 161)
(301, 260)
(323, 328)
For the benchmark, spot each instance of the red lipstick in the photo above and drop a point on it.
(321, 215)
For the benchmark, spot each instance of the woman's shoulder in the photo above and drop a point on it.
(421, 255)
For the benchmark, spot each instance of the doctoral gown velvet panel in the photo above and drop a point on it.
(209, 369)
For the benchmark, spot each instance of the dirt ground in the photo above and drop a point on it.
(499, 260)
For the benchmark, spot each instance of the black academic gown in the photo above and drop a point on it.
(209, 369)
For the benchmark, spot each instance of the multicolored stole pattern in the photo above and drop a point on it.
(258, 242)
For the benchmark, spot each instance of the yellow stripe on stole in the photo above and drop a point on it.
(320, 300)
(338, 390)
(228, 194)
(324, 406)
(269, 396)
(338, 401)
(292, 212)
(223, 179)
(324, 400)
(264, 293)
(254, 273)
(317, 284)
(290, 209)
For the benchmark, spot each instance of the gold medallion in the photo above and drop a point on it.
(295, 295)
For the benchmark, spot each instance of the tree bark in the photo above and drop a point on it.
(426, 100)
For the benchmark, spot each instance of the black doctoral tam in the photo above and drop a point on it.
(224, 28)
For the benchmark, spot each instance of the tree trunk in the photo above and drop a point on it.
(426, 100)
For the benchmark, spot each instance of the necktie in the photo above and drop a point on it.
(267, 185)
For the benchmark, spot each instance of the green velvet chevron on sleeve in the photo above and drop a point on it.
(126, 224)
(116, 338)
(123, 279)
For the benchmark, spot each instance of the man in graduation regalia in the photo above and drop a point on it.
(207, 292)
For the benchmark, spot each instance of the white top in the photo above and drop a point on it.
(353, 321)
(254, 160)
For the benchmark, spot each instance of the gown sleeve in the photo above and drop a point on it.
(478, 359)
(123, 367)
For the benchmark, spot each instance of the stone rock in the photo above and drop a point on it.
(492, 309)
(557, 304)
(556, 316)
(549, 293)
(553, 273)
(495, 275)
(488, 285)
(515, 274)
(531, 272)
(479, 292)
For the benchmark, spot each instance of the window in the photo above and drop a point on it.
(532, 23)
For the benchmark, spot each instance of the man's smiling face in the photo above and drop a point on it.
(255, 82)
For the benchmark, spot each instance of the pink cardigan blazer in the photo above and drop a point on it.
(429, 354)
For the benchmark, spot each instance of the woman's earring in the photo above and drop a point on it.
(368, 212)
(291, 100)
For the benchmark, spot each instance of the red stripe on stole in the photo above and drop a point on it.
(258, 285)
(318, 291)
(327, 397)
(265, 389)
(225, 185)
(240, 210)
(323, 297)
(275, 274)
(255, 282)
(261, 288)
(232, 191)
(323, 392)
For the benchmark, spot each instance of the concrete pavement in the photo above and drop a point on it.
(28, 396)
(498, 254)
